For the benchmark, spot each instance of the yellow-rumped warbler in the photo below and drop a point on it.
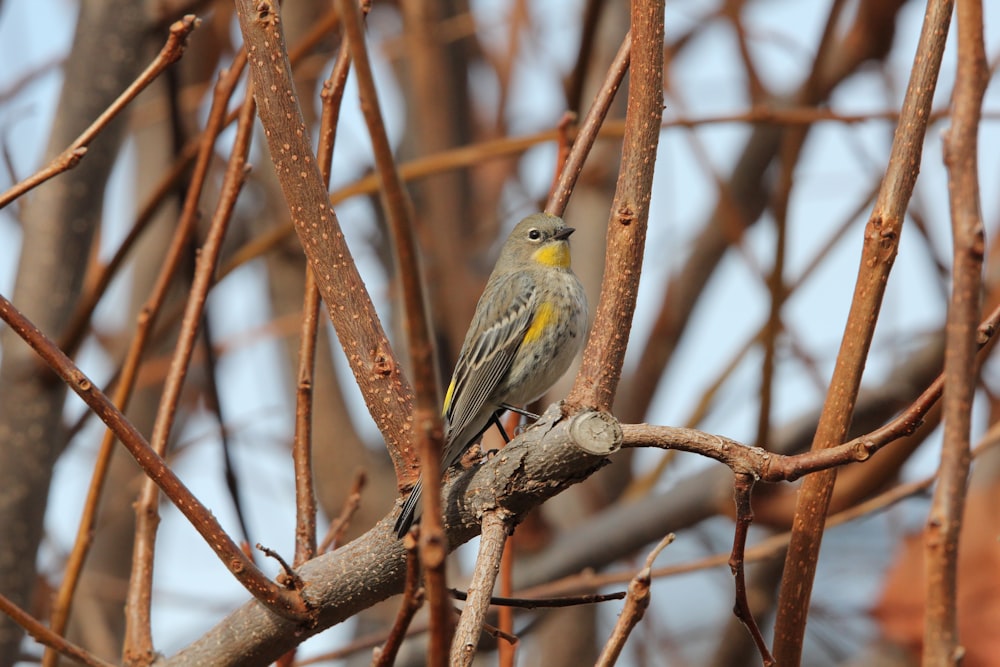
(529, 324)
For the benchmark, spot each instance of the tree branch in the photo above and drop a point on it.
(944, 523)
(597, 380)
(376, 370)
(635, 607)
(255, 581)
(69, 158)
(470, 625)
(544, 460)
(879, 251)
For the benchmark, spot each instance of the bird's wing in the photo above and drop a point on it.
(503, 315)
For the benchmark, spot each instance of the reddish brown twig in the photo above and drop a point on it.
(635, 607)
(505, 617)
(766, 548)
(879, 250)
(413, 599)
(565, 127)
(742, 488)
(95, 289)
(570, 171)
(944, 523)
(146, 321)
(46, 636)
(772, 467)
(256, 582)
(69, 158)
(834, 61)
(426, 434)
(305, 495)
(138, 637)
(339, 525)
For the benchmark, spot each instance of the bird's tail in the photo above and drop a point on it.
(408, 515)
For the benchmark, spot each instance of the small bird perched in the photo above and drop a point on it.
(528, 326)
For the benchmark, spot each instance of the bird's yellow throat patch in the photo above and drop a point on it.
(553, 254)
(544, 317)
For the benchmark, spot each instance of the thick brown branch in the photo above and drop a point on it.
(378, 374)
(597, 380)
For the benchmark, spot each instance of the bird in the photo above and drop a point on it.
(528, 326)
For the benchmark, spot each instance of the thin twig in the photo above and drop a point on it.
(427, 431)
(138, 639)
(944, 522)
(305, 495)
(596, 115)
(95, 289)
(506, 652)
(413, 599)
(545, 603)
(288, 578)
(766, 548)
(339, 525)
(146, 320)
(747, 183)
(742, 488)
(769, 466)
(46, 636)
(255, 581)
(69, 158)
(635, 607)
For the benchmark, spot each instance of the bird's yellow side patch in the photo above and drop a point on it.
(553, 254)
(447, 398)
(544, 317)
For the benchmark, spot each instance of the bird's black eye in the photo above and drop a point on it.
(534, 235)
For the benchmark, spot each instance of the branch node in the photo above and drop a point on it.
(289, 578)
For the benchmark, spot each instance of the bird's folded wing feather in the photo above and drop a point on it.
(488, 352)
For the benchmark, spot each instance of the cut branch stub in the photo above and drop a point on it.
(596, 433)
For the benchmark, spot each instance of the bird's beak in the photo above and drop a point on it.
(563, 233)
